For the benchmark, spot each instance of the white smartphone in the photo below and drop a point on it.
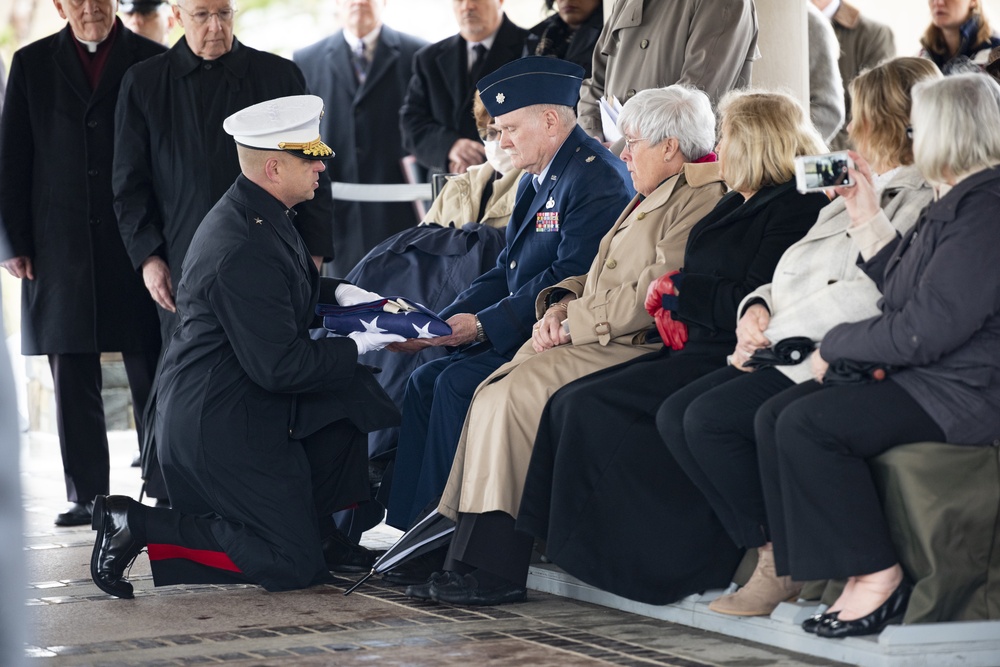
(820, 172)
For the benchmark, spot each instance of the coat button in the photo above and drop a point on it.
(641, 216)
(611, 263)
(95, 221)
(644, 43)
(289, 431)
(513, 264)
(92, 124)
(92, 172)
(630, 93)
(208, 65)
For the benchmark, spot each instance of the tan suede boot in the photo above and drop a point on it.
(761, 594)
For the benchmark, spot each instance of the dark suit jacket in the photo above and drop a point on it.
(585, 189)
(56, 147)
(361, 125)
(437, 111)
(242, 382)
(732, 251)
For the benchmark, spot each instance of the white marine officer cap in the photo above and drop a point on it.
(289, 124)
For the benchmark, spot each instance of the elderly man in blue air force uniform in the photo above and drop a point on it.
(570, 196)
(260, 429)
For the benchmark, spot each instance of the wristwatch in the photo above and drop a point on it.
(480, 332)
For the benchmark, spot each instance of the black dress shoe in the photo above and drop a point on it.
(115, 547)
(422, 591)
(818, 619)
(890, 612)
(417, 570)
(466, 590)
(77, 515)
(346, 557)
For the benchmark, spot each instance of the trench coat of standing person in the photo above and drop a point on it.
(361, 122)
(174, 161)
(81, 296)
(597, 438)
(260, 428)
(643, 46)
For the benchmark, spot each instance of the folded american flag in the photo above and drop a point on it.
(394, 315)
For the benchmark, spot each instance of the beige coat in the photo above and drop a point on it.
(459, 201)
(817, 283)
(607, 325)
(709, 44)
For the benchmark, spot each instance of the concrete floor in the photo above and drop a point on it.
(73, 623)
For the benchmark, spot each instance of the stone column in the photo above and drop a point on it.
(783, 42)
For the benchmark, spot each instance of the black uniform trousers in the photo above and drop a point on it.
(185, 545)
(813, 443)
(83, 432)
(708, 426)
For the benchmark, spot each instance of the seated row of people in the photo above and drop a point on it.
(637, 463)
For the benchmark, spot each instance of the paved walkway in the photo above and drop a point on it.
(74, 623)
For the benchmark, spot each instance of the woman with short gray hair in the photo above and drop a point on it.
(935, 345)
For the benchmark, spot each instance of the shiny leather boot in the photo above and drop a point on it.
(115, 547)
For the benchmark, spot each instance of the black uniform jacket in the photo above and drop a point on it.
(241, 382)
(56, 146)
(361, 125)
(437, 111)
(581, 42)
(174, 160)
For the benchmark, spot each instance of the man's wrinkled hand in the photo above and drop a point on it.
(156, 275)
(19, 267)
(465, 153)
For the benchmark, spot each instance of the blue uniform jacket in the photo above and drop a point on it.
(585, 190)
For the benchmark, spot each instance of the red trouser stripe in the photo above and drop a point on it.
(216, 559)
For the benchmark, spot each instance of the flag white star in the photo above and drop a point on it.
(424, 331)
(373, 327)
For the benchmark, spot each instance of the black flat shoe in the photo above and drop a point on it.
(345, 557)
(422, 591)
(417, 570)
(79, 514)
(115, 547)
(889, 613)
(818, 619)
(466, 590)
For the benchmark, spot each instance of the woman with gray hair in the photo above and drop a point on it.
(936, 343)
(589, 322)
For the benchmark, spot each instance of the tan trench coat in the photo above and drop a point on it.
(607, 324)
(459, 202)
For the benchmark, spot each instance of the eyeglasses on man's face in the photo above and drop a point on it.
(202, 16)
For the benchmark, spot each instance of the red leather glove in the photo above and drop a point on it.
(654, 295)
(673, 333)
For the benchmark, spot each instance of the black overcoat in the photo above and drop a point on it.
(361, 125)
(242, 384)
(56, 146)
(437, 110)
(174, 161)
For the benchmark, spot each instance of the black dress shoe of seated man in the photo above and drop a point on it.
(77, 515)
(423, 591)
(346, 557)
(889, 613)
(417, 570)
(116, 545)
(468, 590)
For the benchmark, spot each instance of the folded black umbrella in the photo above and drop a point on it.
(786, 352)
(431, 532)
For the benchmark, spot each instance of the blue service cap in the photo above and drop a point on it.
(531, 80)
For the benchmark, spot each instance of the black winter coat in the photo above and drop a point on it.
(174, 160)
(437, 111)
(56, 146)
(361, 125)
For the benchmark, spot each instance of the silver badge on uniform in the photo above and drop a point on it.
(550, 203)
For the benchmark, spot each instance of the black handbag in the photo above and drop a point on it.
(786, 352)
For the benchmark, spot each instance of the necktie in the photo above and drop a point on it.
(360, 62)
(524, 201)
(476, 68)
